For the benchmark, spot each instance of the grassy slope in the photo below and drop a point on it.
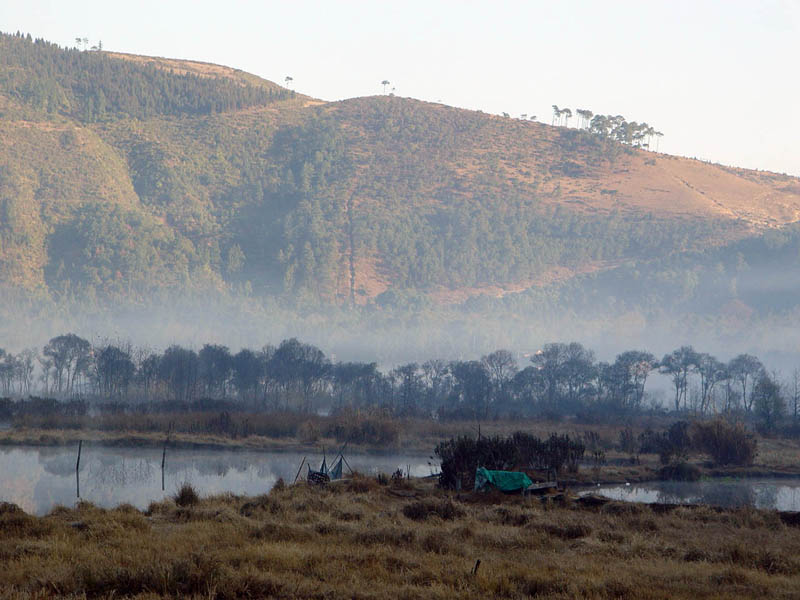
(558, 163)
(355, 541)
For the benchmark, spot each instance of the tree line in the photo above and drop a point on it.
(560, 379)
(92, 86)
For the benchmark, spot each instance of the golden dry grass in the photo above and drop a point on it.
(355, 540)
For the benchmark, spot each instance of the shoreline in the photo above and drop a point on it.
(613, 473)
(58, 438)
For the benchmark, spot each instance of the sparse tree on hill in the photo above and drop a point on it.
(289, 81)
(556, 114)
(567, 116)
(384, 83)
(585, 117)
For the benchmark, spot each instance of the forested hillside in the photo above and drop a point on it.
(126, 179)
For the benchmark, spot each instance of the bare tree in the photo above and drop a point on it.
(794, 393)
(678, 365)
(745, 370)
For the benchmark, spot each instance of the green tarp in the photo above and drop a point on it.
(507, 481)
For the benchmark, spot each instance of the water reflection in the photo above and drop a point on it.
(39, 478)
(780, 494)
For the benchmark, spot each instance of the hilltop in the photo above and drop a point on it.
(125, 176)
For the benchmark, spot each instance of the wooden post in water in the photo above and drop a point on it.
(300, 468)
(77, 468)
(164, 453)
(163, 461)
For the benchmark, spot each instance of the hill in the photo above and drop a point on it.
(124, 178)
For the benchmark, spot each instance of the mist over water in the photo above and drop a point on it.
(393, 336)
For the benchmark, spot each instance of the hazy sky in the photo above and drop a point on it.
(718, 78)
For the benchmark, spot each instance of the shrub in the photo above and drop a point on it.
(554, 453)
(671, 445)
(460, 457)
(679, 471)
(726, 443)
(186, 496)
(627, 441)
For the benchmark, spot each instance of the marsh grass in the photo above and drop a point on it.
(358, 539)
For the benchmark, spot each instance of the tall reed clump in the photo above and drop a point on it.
(186, 496)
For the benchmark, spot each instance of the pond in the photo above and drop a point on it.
(39, 478)
(778, 494)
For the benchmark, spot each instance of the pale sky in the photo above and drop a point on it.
(719, 78)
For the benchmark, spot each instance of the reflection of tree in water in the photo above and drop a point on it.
(59, 463)
(729, 494)
(766, 496)
(110, 475)
(116, 471)
(677, 492)
(208, 465)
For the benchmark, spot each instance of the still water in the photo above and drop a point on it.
(779, 494)
(38, 478)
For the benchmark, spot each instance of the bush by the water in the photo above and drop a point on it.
(726, 443)
(679, 471)
(554, 453)
(460, 457)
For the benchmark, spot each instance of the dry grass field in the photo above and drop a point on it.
(360, 539)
